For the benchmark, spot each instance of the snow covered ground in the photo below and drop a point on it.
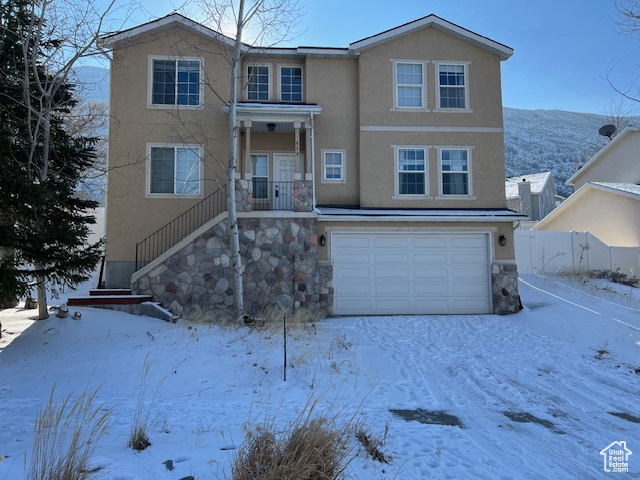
(537, 395)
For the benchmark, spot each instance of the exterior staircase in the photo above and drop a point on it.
(99, 297)
(122, 300)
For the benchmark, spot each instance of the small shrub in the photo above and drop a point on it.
(66, 436)
(308, 448)
(374, 444)
(616, 276)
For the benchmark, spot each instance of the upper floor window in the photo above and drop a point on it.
(411, 171)
(452, 86)
(333, 167)
(175, 82)
(258, 82)
(260, 176)
(291, 84)
(454, 169)
(174, 170)
(409, 85)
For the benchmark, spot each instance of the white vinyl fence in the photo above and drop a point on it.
(539, 251)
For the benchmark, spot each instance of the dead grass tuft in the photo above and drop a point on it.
(66, 436)
(374, 444)
(308, 448)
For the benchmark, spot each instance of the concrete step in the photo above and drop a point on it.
(108, 300)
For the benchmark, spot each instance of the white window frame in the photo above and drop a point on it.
(343, 167)
(198, 148)
(469, 194)
(301, 67)
(150, 103)
(269, 81)
(260, 154)
(423, 86)
(396, 172)
(439, 108)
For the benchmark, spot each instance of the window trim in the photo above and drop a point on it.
(424, 106)
(438, 107)
(197, 147)
(269, 82)
(280, 67)
(441, 194)
(150, 103)
(396, 172)
(343, 167)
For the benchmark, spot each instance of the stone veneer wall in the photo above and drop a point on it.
(280, 261)
(506, 299)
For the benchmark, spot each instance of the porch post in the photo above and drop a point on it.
(296, 126)
(247, 149)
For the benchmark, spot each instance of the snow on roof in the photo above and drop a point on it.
(426, 214)
(537, 180)
(631, 188)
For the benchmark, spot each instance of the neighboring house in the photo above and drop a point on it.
(370, 178)
(533, 195)
(609, 211)
(616, 162)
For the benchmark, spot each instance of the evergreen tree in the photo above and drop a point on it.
(43, 223)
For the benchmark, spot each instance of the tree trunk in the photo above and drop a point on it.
(238, 291)
(43, 311)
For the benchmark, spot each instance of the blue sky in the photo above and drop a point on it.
(564, 49)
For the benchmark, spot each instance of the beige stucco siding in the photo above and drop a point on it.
(131, 213)
(378, 169)
(376, 71)
(613, 218)
(621, 164)
(499, 253)
(333, 84)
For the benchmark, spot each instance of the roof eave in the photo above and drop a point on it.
(502, 51)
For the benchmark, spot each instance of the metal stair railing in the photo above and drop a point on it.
(177, 229)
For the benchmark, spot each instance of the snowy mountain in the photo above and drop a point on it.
(535, 140)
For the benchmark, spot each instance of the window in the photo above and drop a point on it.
(409, 85)
(454, 166)
(291, 84)
(452, 86)
(258, 82)
(410, 163)
(333, 166)
(174, 170)
(260, 176)
(176, 82)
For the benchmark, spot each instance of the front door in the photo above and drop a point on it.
(284, 169)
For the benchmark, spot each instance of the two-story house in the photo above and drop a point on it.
(370, 178)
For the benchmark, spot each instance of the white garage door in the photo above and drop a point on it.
(410, 273)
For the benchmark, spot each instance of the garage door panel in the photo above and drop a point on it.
(436, 243)
(356, 288)
(393, 287)
(430, 259)
(391, 258)
(390, 242)
(468, 259)
(432, 273)
(345, 242)
(410, 273)
(353, 258)
(469, 242)
(393, 305)
(431, 288)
